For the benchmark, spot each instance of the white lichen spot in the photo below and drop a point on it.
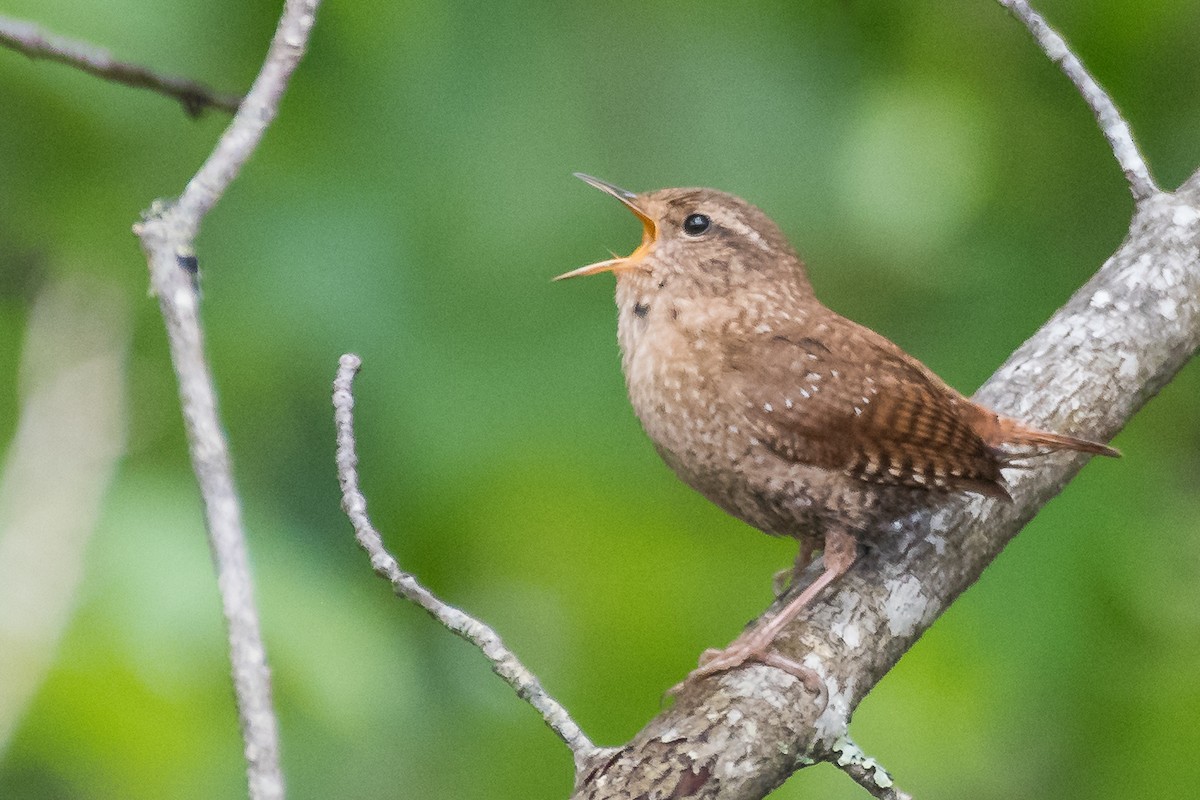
(835, 373)
(850, 633)
(1185, 215)
(1168, 308)
(734, 429)
(1058, 331)
(857, 411)
(905, 605)
(1101, 299)
(1129, 367)
(848, 752)
(787, 401)
(804, 393)
(763, 328)
(767, 407)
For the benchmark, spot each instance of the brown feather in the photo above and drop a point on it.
(876, 414)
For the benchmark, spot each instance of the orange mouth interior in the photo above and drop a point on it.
(649, 233)
(619, 265)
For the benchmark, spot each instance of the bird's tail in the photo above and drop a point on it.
(1021, 436)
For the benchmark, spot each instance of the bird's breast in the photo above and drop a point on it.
(680, 389)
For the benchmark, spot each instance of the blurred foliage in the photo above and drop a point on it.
(410, 203)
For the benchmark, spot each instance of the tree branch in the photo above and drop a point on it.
(167, 233)
(865, 771)
(35, 42)
(504, 662)
(1112, 124)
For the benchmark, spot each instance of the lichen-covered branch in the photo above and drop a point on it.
(504, 661)
(167, 233)
(866, 771)
(36, 42)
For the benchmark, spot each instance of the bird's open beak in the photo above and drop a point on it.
(649, 231)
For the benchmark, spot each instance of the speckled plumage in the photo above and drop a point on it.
(788, 416)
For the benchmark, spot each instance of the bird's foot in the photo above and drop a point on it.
(751, 649)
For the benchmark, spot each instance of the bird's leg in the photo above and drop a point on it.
(840, 550)
(786, 578)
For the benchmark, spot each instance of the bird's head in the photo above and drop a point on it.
(700, 241)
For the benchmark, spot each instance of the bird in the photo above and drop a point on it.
(787, 415)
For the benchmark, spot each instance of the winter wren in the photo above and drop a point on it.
(788, 416)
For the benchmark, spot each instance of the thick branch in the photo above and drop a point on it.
(1118, 340)
(33, 41)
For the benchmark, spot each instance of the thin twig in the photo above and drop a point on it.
(865, 771)
(255, 114)
(167, 233)
(35, 42)
(504, 662)
(1112, 124)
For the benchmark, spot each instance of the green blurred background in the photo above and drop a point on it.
(410, 204)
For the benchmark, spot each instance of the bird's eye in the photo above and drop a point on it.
(696, 224)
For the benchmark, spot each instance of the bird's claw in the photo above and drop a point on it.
(714, 661)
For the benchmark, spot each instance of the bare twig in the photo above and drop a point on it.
(504, 662)
(167, 233)
(35, 42)
(1112, 124)
(866, 772)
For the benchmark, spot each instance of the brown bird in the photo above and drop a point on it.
(788, 416)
